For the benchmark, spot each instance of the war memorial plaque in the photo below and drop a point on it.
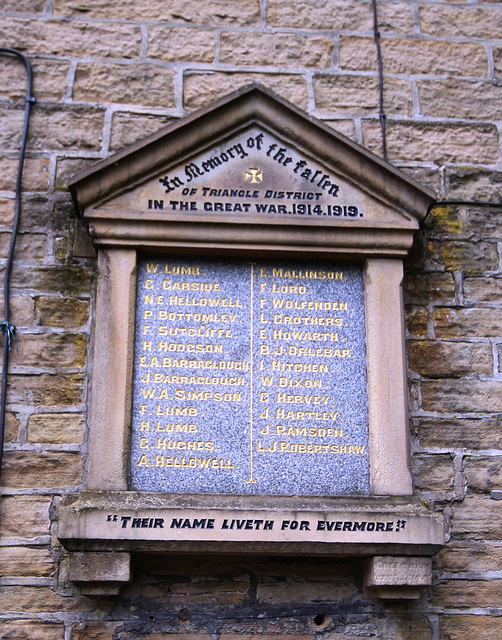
(250, 378)
(249, 392)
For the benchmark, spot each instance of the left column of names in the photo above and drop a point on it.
(191, 388)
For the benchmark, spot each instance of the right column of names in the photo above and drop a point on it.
(309, 380)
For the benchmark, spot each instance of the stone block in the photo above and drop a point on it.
(472, 433)
(61, 248)
(175, 44)
(483, 289)
(429, 288)
(417, 321)
(34, 599)
(41, 469)
(342, 16)
(358, 95)
(453, 98)
(204, 12)
(485, 222)
(25, 561)
(265, 636)
(229, 593)
(449, 359)
(46, 389)
(66, 168)
(12, 425)
(64, 280)
(68, 313)
(56, 428)
(128, 128)
(439, 143)
(95, 630)
(433, 473)
(462, 396)
(107, 567)
(445, 221)
(72, 38)
(497, 61)
(467, 627)
(24, 516)
(7, 210)
(470, 556)
(50, 349)
(11, 127)
(35, 212)
(22, 310)
(49, 79)
(413, 56)
(35, 173)
(32, 630)
(483, 474)
(407, 627)
(91, 630)
(468, 183)
(475, 322)
(390, 571)
(23, 6)
(201, 89)
(466, 593)
(398, 626)
(473, 258)
(57, 128)
(288, 589)
(276, 49)
(146, 84)
(460, 22)
(428, 176)
(345, 127)
(476, 518)
(29, 246)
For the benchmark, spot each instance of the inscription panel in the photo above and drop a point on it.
(250, 378)
(253, 174)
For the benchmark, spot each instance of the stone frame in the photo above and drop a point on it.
(113, 356)
(120, 235)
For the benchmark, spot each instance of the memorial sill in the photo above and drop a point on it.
(139, 521)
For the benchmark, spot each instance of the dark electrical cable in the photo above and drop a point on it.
(380, 79)
(8, 329)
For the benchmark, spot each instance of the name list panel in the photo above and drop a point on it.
(250, 378)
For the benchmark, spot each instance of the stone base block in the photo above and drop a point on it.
(100, 573)
(397, 578)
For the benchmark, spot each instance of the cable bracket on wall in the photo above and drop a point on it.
(9, 330)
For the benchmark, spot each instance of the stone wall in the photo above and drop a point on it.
(107, 73)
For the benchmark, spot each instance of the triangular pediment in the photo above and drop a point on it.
(250, 161)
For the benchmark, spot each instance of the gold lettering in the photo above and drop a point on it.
(193, 463)
(308, 447)
(170, 285)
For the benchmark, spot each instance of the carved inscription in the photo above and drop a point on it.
(387, 570)
(269, 522)
(253, 174)
(249, 378)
